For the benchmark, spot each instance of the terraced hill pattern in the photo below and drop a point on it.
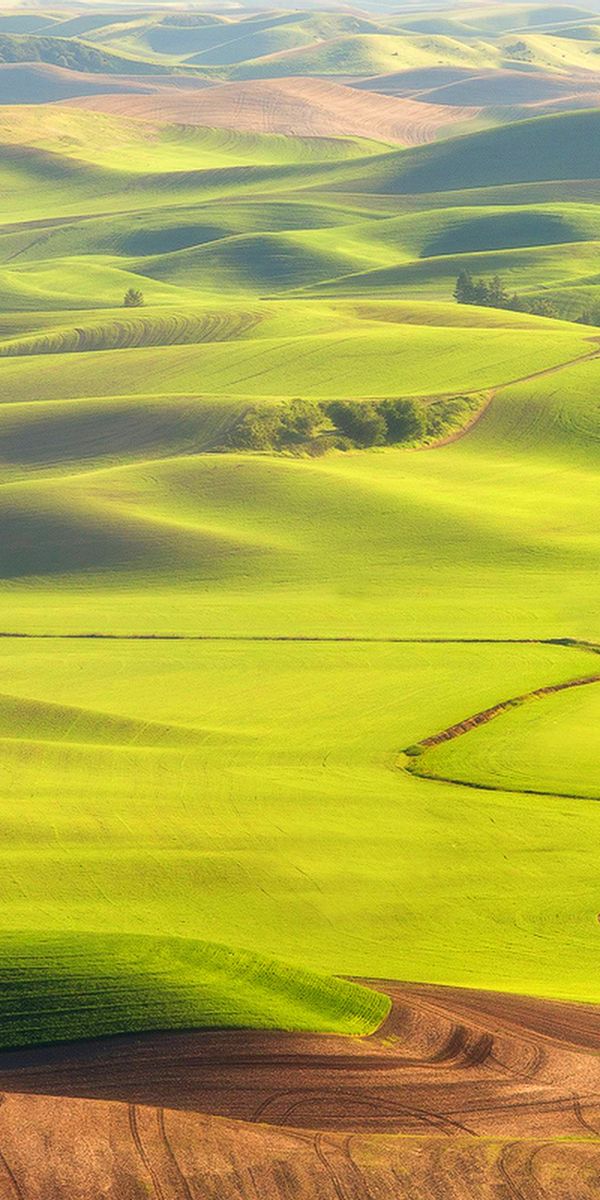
(299, 766)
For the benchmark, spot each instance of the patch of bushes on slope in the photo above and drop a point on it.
(307, 427)
(69, 53)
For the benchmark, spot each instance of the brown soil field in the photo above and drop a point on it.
(461, 1095)
(56, 1149)
(304, 107)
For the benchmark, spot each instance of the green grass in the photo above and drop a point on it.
(66, 986)
(248, 794)
(378, 360)
(546, 746)
(260, 544)
(209, 832)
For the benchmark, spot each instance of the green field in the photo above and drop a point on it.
(546, 747)
(214, 657)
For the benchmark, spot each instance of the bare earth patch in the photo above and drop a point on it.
(461, 1094)
(297, 106)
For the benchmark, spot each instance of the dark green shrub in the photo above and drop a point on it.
(589, 316)
(359, 421)
(257, 428)
(133, 298)
(404, 419)
(299, 420)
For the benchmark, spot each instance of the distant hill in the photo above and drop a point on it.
(67, 52)
(41, 83)
(305, 107)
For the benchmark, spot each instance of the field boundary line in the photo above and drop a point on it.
(565, 641)
(409, 758)
(457, 434)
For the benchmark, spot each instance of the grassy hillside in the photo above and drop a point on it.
(208, 831)
(272, 753)
(354, 225)
(546, 746)
(66, 52)
(564, 146)
(71, 986)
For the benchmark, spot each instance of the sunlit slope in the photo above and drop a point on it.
(217, 41)
(547, 746)
(364, 219)
(144, 147)
(366, 54)
(379, 360)
(249, 797)
(65, 332)
(66, 986)
(185, 263)
(79, 163)
(532, 247)
(290, 830)
(260, 544)
(110, 482)
(297, 106)
(310, 733)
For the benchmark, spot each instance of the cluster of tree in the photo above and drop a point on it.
(491, 293)
(309, 427)
(275, 426)
(377, 422)
(519, 51)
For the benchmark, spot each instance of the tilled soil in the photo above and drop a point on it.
(460, 1095)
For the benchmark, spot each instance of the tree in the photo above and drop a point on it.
(497, 294)
(404, 419)
(464, 289)
(481, 293)
(589, 316)
(515, 303)
(542, 307)
(133, 298)
(359, 421)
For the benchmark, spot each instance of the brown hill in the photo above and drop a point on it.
(304, 107)
(461, 1095)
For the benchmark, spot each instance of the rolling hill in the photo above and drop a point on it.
(300, 107)
(288, 714)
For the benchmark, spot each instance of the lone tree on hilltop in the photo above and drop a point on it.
(133, 298)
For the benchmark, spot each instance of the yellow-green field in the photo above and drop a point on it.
(215, 658)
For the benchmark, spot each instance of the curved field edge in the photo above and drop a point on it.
(423, 758)
(64, 987)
